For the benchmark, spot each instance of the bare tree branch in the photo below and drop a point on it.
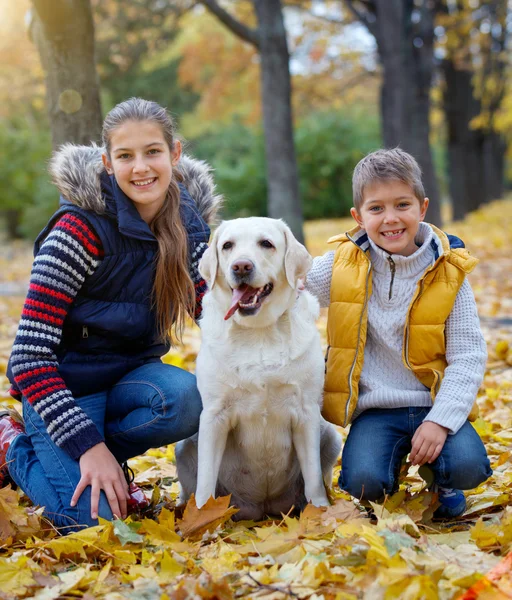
(300, 6)
(238, 28)
(360, 16)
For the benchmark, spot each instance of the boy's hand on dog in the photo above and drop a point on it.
(100, 470)
(427, 443)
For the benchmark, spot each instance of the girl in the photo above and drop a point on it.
(115, 269)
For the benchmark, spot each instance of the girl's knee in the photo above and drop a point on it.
(77, 518)
(181, 409)
(190, 411)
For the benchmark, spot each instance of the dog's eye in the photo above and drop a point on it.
(266, 244)
(227, 245)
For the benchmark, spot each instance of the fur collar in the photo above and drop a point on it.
(76, 171)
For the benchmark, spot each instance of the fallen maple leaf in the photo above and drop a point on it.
(340, 511)
(207, 518)
(15, 519)
(489, 582)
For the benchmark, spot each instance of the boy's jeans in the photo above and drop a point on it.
(380, 438)
(152, 406)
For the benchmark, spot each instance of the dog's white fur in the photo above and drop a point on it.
(261, 436)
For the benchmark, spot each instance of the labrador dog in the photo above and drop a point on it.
(260, 372)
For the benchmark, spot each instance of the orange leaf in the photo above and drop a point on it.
(198, 520)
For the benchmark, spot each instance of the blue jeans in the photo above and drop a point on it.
(380, 438)
(152, 406)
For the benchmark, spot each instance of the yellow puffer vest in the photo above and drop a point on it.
(424, 350)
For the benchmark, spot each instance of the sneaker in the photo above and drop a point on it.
(11, 426)
(137, 500)
(453, 502)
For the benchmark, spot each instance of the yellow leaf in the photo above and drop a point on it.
(170, 568)
(175, 359)
(103, 574)
(69, 581)
(501, 349)
(138, 572)
(15, 519)
(15, 576)
(166, 519)
(67, 545)
(419, 587)
(123, 558)
(158, 533)
(225, 561)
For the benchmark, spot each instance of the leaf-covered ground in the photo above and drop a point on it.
(334, 553)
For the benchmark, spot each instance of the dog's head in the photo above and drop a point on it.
(255, 264)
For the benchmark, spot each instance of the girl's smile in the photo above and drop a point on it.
(144, 183)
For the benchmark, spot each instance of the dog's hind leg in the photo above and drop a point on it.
(330, 448)
(186, 465)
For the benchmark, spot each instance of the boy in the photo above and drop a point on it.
(402, 330)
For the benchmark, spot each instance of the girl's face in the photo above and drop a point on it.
(142, 162)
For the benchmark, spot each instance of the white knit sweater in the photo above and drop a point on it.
(385, 381)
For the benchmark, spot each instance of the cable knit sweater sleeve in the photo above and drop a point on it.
(466, 355)
(318, 280)
(70, 253)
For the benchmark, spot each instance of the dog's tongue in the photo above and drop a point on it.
(238, 294)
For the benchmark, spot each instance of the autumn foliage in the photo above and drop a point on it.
(171, 552)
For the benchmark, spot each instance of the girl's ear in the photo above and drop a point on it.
(107, 163)
(176, 153)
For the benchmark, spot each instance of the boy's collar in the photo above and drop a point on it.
(356, 235)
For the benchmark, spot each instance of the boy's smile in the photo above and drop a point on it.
(391, 215)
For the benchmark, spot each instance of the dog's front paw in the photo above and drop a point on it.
(202, 499)
(320, 500)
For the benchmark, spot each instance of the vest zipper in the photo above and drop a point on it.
(85, 331)
(358, 340)
(406, 345)
(326, 357)
(392, 266)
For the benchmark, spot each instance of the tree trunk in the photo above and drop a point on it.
(465, 145)
(282, 173)
(12, 218)
(63, 32)
(406, 54)
(494, 149)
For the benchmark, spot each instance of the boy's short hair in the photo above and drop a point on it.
(392, 164)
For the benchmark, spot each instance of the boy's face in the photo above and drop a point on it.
(391, 215)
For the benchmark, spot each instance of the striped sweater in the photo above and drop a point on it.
(71, 252)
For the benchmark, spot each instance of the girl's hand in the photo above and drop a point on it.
(100, 470)
(427, 443)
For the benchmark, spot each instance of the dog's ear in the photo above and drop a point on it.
(209, 263)
(297, 260)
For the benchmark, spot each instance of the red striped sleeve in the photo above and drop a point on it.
(45, 306)
(51, 292)
(79, 236)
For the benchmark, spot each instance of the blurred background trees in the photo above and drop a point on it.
(282, 98)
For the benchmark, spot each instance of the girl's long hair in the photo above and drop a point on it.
(173, 290)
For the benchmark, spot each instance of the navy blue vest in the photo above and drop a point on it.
(111, 327)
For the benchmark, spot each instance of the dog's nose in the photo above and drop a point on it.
(242, 267)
